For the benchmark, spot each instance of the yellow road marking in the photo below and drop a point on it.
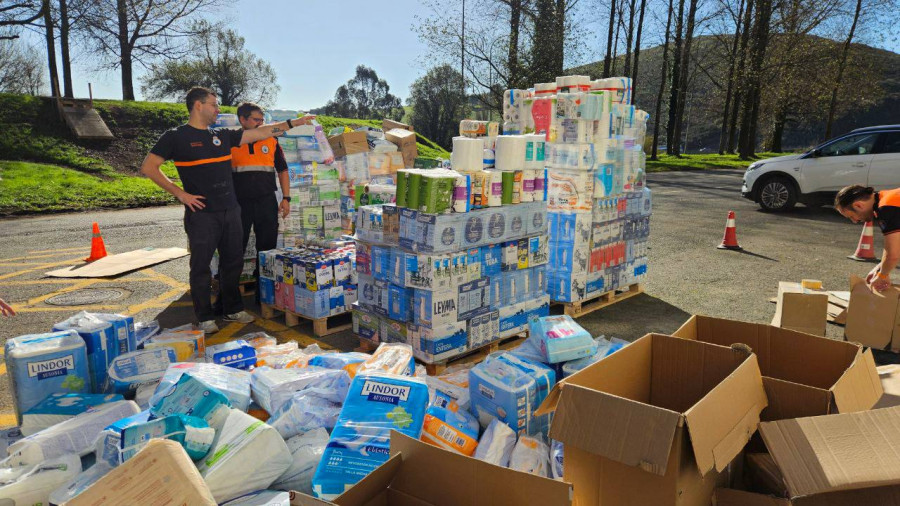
(60, 250)
(227, 332)
(71, 309)
(166, 279)
(8, 420)
(54, 281)
(42, 267)
(71, 288)
(49, 255)
(2, 368)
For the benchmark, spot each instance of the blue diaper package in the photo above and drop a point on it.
(234, 383)
(348, 361)
(510, 388)
(544, 379)
(360, 442)
(562, 339)
(191, 396)
(238, 354)
(43, 364)
(100, 339)
(604, 348)
(123, 328)
(123, 439)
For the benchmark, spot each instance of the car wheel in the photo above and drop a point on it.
(777, 194)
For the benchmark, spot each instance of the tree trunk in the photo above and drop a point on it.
(515, 16)
(685, 71)
(740, 76)
(543, 47)
(778, 130)
(609, 39)
(747, 142)
(629, 39)
(560, 39)
(723, 133)
(637, 49)
(672, 147)
(662, 86)
(51, 48)
(125, 51)
(64, 47)
(840, 76)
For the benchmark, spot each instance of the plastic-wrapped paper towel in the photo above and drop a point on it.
(272, 388)
(531, 455)
(360, 442)
(44, 364)
(496, 444)
(514, 111)
(234, 383)
(247, 455)
(58, 408)
(33, 484)
(261, 498)
(123, 439)
(128, 371)
(510, 152)
(467, 154)
(76, 435)
(306, 452)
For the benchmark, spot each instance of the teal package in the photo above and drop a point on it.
(360, 441)
(190, 396)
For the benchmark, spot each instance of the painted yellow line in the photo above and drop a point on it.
(48, 255)
(8, 420)
(71, 309)
(137, 308)
(2, 368)
(71, 288)
(60, 250)
(166, 279)
(227, 332)
(42, 267)
(52, 281)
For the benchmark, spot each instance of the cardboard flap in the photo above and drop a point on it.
(793, 400)
(800, 309)
(372, 485)
(836, 452)
(721, 423)
(619, 429)
(443, 478)
(860, 387)
(730, 497)
(301, 499)
(890, 383)
(870, 316)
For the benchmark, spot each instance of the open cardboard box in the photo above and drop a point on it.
(804, 375)
(851, 459)
(419, 474)
(348, 143)
(656, 423)
(873, 319)
(890, 383)
(801, 309)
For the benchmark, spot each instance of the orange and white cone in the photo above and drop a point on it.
(98, 249)
(865, 252)
(729, 241)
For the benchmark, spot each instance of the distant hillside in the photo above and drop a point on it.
(703, 113)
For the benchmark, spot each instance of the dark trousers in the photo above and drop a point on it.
(207, 232)
(261, 214)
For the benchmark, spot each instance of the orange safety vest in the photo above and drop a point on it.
(258, 156)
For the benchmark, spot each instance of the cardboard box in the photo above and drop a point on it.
(658, 422)
(730, 497)
(801, 309)
(161, 473)
(843, 378)
(890, 383)
(406, 144)
(849, 459)
(387, 124)
(348, 143)
(872, 318)
(419, 474)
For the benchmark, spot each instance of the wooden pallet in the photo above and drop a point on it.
(321, 326)
(468, 357)
(248, 287)
(587, 306)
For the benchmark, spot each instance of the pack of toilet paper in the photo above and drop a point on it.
(376, 404)
(40, 365)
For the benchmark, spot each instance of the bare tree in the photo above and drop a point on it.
(21, 70)
(675, 90)
(637, 48)
(18, 13)
(609, 39)
(662, 84)
(840, 73)
(126, 32)
(731, 68)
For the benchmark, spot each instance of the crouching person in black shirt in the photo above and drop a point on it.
(212, 217)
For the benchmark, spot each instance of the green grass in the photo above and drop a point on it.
(668, 163)
(27, 188)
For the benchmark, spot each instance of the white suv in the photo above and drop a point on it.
(867, 156)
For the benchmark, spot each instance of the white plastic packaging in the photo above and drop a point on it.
(306, 451)
(33, 484)
(531, 455)
(496, 444)
(234, 383)
(271, 388)
(79, 483)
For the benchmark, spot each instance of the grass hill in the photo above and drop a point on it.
(43, 168)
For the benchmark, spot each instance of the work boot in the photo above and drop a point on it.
(209, 327)
(240, 317)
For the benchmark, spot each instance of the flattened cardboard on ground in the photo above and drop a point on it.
(113, 265)
(348, 143)
(161, 473)
(844, 378)
(657, 422)
(847, 459)
(890, 383)
(419, 474)
(801, 309)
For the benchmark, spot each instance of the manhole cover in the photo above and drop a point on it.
(86, 296)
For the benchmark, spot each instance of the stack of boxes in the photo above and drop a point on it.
(598, 205)
(444, 273)
(311, 281)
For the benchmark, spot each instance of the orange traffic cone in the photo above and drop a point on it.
(729, 241)
(98, 249)
(865, 252)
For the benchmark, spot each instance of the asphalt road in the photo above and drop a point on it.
(687, 274)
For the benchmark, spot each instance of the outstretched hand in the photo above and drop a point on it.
(6, 309)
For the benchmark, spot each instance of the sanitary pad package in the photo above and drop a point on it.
(392, 358)
(376, 404)
(451, 429)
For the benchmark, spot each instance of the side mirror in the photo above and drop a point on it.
(815, 153)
